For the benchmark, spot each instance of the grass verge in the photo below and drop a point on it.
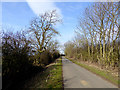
(103, 74)
(50, 78)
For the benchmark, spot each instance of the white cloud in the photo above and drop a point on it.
(43, 6)
(61, 0)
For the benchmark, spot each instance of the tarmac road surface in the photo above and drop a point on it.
(75, 76)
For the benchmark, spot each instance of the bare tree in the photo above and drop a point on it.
(42, 27)
(98, 32)
(102, 18)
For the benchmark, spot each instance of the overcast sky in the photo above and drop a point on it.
(19, 14)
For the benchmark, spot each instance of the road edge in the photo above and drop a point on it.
(75, 62)
(62, 75)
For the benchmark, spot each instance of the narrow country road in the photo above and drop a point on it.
(75, 76)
